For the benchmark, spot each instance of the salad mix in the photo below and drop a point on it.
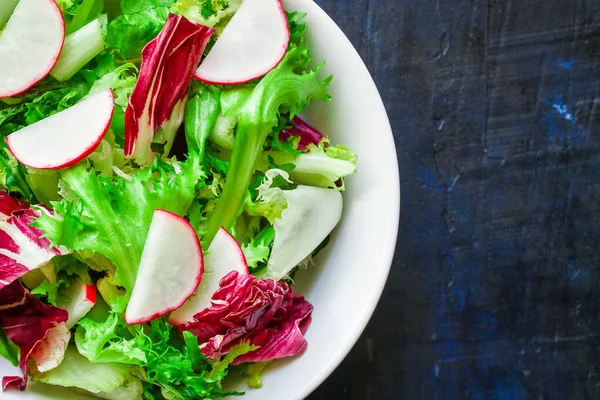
(159, 191)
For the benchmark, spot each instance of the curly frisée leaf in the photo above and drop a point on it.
(258, 250)
(13, 175)
(111, 216)
(213, 13)
(139, 22)
(50, 291)
(324, 166)
(180, 371)
(271, 200)
(162, 357)
(219, 368)
(102, 342)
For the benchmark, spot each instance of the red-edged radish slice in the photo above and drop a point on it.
(82, 298)
(65, 138)
(30, 45)
(251, 45)
(224, 255)
(170, 269)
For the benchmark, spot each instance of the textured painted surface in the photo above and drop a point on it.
(495, 288)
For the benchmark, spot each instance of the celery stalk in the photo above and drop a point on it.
(79, 49)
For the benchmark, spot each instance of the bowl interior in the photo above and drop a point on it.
(348, 278)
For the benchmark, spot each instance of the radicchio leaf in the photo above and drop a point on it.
(10, 205)
(158, 99)
(263, 312)
(26, 321)
(307, 134)
(22, 247)
(51, 351)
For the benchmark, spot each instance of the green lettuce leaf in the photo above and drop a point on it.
(289, 146)
(43, 184)
(8, 349)
(139, 22)
(70, 267)
(215, 159)
(258, 249)
(271, 201)
(104, 74)
(107, 156)
(104, 380)
(13, 175)
(44, 99)
(201, 113)
(163, 358)
(213, 13)
(223, 132)
(64, 5)
(254, 372)
(219, 368)
(324, 166)
(105, 341)
(180, 372)
(77, 13)
(121, 80)
(64, 270)
(111, 216)
(52, 293)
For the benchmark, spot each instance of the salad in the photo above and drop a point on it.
(159, 190)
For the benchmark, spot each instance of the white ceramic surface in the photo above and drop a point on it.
(348, 278)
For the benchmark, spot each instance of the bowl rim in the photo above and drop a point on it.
(395, 197)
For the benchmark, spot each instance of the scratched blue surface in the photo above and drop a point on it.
(495, 288)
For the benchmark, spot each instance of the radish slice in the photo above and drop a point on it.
(170, 270)
(251, 45)
(65, 138)
(83, 298)
(312, 213)
(224, 256)
(30, 45)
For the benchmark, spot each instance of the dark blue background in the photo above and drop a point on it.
(494, 292)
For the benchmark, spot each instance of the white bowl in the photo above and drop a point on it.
(348, 278)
